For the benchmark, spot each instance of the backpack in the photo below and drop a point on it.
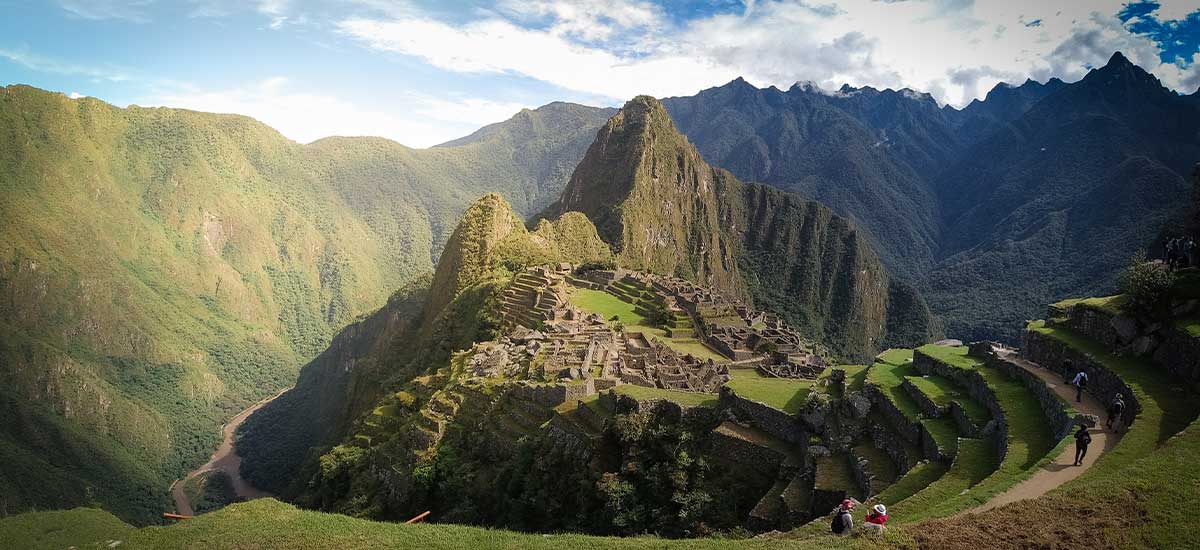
(1083, 379)
(838, 524)
(1118, 407)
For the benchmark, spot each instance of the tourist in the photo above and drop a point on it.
(1114, 411)
(1082, 440)
(1080, 382)
(843, 522)
(875, 520)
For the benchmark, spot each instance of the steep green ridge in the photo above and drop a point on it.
(413, 334)
(162, 269)
(664, 210)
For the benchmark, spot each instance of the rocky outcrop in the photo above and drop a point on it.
(1166, 345)
(664, 210)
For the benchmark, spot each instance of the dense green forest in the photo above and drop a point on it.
(162, 269)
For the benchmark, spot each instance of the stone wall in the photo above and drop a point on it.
(977, 387)
(745, 454)
(1059, 413)
(907, 429)
(891, 443)
(766, 418)
(1102, 383)
(1164, 344)
(553, 395)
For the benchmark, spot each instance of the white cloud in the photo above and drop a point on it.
(956, 49)
(54, 66)
(76, 95)
(306, 117)
(130, 10)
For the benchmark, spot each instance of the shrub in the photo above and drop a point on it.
(1146, 285)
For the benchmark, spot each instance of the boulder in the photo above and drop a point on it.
(859, 405)
(819, 451)
(1125, 327)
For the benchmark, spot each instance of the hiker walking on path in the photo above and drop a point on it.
(1082, 440)
(1080, 382)
(875, 520)
(1114, 412)
(843, 522)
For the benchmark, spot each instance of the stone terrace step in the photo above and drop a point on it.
(975, 460)
(1163, 407)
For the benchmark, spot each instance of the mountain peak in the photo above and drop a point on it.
(1118, 59)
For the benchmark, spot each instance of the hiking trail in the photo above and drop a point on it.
(1061, 469)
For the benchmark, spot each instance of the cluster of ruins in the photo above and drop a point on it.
(550, 339)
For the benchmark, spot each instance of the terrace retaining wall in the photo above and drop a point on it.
(1056, 411)
(979, 390)
(765, 417)
(1103, 384)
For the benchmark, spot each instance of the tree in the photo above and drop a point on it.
(1146, 286)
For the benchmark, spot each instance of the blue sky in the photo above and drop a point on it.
(426, 72)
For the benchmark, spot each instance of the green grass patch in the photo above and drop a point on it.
(888, 377)
(973, 463)
(784, 394)
(895, 356)
(1107, 304)
(944, 432)
(943, 391)
(919, 477)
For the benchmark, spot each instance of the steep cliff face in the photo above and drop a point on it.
(664, 209)
(413, 335)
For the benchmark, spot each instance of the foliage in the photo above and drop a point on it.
(1146, 286)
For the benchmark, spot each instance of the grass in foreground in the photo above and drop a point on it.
(974, 462)
(267, 524)
(784, 394)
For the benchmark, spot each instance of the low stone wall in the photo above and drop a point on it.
(553, 395)
(891, 443)
(1102, 383)
(745, 454)
(907, 429)
(766, 418)
(569, 438)
(862, 476)
(1059, 414)
(927, 405)
(979, 390)
(1164, 344)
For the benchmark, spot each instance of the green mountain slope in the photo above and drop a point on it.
(664, 210)
(413, 335)
(162, 269)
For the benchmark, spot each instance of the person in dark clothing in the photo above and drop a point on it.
(1080, 382)
(1082, 440)
(843, 522)
(1114, 411)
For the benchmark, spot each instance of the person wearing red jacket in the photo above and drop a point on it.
(876, 518)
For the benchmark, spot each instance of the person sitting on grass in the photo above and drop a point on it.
(843, 522)
(875, 520)
(1082, 440)
(1114, 411)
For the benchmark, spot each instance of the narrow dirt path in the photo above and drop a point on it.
(225, 459)
(1062, 469)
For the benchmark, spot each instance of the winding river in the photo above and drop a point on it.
(226, 460)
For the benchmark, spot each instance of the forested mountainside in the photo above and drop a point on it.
(162, 269)
(413, 335)
(664, 210)
(1040, 190)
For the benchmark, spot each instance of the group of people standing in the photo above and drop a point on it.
(843, 518)
(1179, 252)
(1115, 410)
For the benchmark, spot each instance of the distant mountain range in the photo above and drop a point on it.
(1036, 192)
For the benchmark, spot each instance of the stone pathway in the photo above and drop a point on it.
(1061, 470)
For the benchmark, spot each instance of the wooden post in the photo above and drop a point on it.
(175, 516)
(418, 519)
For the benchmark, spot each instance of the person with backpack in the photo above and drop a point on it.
(843, 522)
(1082, 440)
(876, 518)
(1080, 382)
(1114, 411)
